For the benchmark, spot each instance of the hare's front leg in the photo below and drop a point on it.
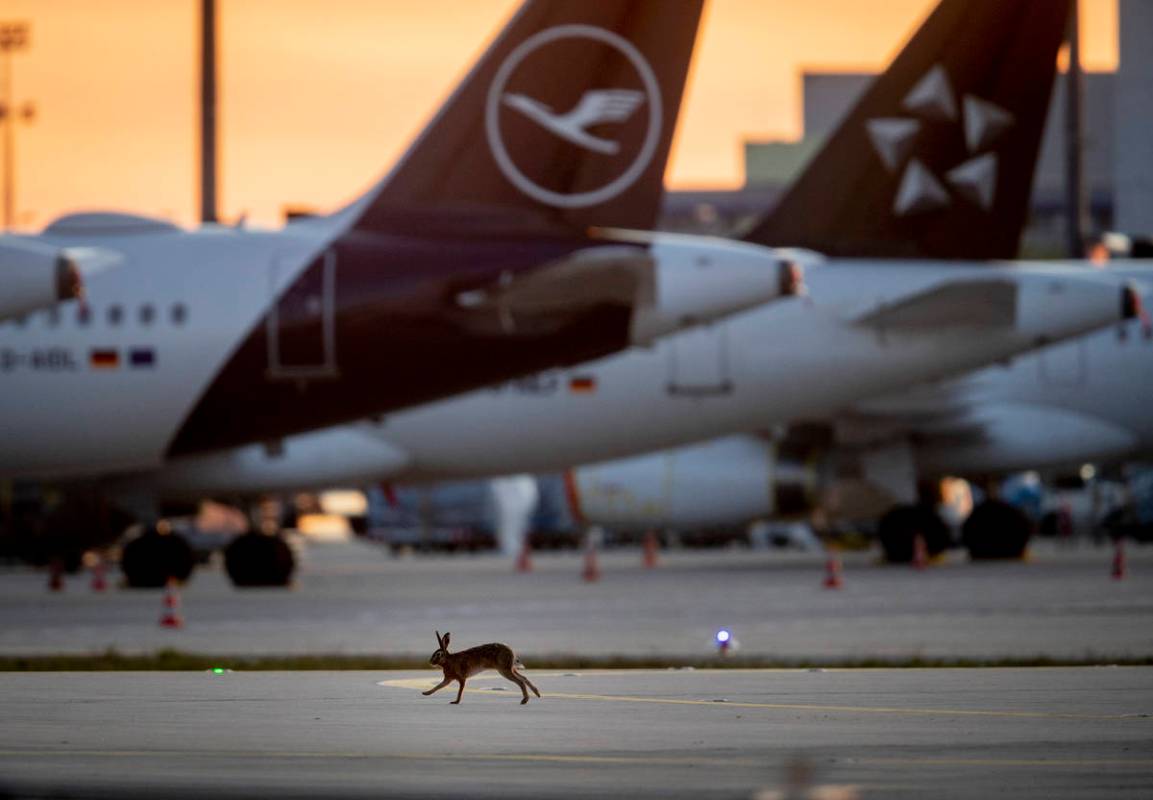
(438, 687)
(459, 693)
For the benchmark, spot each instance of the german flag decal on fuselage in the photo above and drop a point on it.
(582, 384)
(109, 358)
(104, 358)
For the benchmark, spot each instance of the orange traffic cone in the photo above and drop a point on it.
(171, 618)
(524, 558)
(651, 549)
(832, 570)
(920, 552)
(1119, 565)
(592, 571)
(56, 575)
(99, 580)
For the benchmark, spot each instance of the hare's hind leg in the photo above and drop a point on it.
(438, 687)
(526, 680)
(511, 675)
(460, 692)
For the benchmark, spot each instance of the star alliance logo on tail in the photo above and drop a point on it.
(613, 105)
(597, 107)
(932, 100)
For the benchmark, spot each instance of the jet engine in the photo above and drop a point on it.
(34, 276)
(729, 480)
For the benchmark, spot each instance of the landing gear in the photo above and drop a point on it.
(258, 559)
(151, 559)
(60, 531)
(996, 530)
(900, 527)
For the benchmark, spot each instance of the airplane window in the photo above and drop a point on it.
(147, 314)
(179, 314)
(83, 315)
(115, 315)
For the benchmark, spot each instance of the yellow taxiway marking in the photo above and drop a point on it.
(548, 758)
(1004, 762)
(426, 683)
(521, 757)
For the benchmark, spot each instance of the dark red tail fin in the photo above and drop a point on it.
(937, 158)
(565, 121)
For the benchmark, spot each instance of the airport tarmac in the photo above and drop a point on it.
(353, 598)
(1060, 732)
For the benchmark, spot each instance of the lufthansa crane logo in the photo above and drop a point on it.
(592, 125)
(595, 108)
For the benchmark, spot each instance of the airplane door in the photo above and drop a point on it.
(301, 322)
(1063, 364)
(699, 362)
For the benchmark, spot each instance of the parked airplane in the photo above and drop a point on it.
(866, 327)
(484, 255)
(1084, 400)
(33, 276)
(1080, 401)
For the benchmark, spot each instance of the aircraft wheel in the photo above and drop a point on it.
(996, 530)
(149, 560)
(900, 526)
(255, 559)
(1050, 526)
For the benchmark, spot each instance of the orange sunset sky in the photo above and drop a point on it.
(320, 97)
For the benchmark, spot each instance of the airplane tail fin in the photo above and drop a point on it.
(565, 122)
(937, 158)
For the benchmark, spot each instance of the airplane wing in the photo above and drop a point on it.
(972, 426)
(982, 303)
(603, 276)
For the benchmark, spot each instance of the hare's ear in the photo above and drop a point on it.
(444, 643)
(439, 641)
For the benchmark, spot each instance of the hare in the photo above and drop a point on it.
(461, 666)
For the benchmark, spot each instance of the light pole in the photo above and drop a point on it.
(1074, 167)
(13, 37)
(208, 170)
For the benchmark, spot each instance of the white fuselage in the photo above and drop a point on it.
(756, 369)
(178, 300)
(101, 388)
